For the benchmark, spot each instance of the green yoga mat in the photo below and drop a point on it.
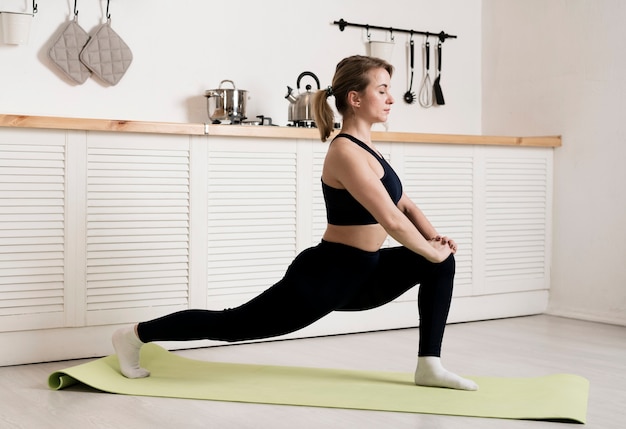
(560, 397)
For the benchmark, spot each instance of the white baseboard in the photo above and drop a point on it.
(611, 319)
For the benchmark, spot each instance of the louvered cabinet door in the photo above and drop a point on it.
(137, 238)
(252, 217)
(32, 229)
(517, 219)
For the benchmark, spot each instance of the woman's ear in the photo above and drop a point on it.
(354, 99)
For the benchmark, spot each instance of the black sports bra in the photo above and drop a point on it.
(343, 209)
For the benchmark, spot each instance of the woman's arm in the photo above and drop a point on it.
(421, 222)
(417, 217)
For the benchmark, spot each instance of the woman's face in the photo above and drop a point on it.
(376, 100)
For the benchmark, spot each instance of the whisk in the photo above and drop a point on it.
(426, 91)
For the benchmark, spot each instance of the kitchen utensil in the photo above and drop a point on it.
(437, 85)
(409, 96)
(301, 106)
(223, 104)
(65, 51)
(426, 90)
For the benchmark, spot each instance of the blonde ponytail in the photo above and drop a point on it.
(323, 114)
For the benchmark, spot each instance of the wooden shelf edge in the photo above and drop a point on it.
(51, 122)
(61, 123)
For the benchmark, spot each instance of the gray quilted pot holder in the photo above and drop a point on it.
(106, 55)
(66, 49)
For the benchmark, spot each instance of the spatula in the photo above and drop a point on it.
(437, 85)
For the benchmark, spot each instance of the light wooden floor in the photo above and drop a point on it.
(527, 346)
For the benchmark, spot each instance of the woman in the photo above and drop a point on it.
(348, 270)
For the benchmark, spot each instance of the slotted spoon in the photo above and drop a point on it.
(409, 96)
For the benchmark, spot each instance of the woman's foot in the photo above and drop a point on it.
(127, 346)
(431, 373)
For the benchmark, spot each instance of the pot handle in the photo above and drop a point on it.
(308, 73)
(227, 80)
(211, 93)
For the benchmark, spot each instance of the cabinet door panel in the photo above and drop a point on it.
(517, 219)
(137, 250)
(252, 206)
(32, 229)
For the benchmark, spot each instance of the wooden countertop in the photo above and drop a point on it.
(50, 122)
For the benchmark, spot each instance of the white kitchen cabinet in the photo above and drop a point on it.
(103, 228)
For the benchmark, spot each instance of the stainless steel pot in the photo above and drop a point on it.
(226, 104)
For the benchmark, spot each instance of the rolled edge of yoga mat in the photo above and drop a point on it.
(58, 380)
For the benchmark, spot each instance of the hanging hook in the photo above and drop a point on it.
(108, 14)
(391, 33)
(34, 7)
(76, 9)
(367, 30)
(411, 38)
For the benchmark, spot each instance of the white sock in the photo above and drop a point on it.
(127, 346)
(430, 372)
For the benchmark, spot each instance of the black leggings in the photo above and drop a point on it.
(325, 278)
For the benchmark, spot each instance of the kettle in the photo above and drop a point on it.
(301, 105)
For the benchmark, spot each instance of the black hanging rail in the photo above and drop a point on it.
(441, 35)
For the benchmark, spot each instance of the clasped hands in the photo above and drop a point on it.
(444, 241)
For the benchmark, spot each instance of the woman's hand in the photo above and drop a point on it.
(446, 241)
(442, 251)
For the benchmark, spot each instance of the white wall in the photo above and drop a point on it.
(559, 67)
(183, 48)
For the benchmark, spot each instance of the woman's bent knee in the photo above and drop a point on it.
(448, 266)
